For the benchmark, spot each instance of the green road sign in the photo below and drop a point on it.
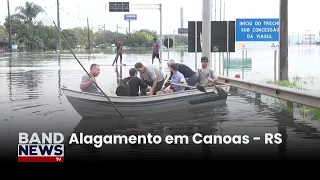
(236, 63)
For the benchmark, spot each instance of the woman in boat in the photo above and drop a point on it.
(177, 78)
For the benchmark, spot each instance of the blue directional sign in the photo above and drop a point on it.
(130, 17)
(182, 30)
(266, 29)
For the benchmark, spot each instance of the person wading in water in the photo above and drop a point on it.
(119, 50)
(155, 50)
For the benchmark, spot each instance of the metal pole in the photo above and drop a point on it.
(129, 26)
(215, 19)
(89, 41)
(206, 29)
(196, 44)
(219, 52)
(174, 41)
(58, 21)
(246, 58)
(242, 66)
(224, 18)
(283, 52)
(275, 65)
(168, 47)
(117, 32)
(160, 8)
(9, 23)
(227, 48)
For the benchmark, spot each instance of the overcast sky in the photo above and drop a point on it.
(302, 14)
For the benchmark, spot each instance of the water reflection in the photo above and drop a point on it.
(10, 80)
(282, 147)
(217, 121)
(59, 77)
(29, 81)
(172, 123)
(119, 74)
(286, 125)
(182, 57)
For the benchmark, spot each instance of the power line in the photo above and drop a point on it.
(84, 19)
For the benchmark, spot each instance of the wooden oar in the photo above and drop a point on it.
(200, 88)
(85, 69)
(165, 82)
(220, 91)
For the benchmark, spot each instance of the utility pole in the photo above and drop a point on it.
(214, 54)
(89, 42)
(283, 55)
(9, 23)
(104, 33)
(129, 26)
(220, 11)
(224, 18)
(58, 20)
(117, 32)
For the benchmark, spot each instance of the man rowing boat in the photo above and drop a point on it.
(87, 83)
(206, 73)
(152, 76)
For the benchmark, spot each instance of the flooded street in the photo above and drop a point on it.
(31, 101)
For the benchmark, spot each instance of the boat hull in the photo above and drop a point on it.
(93, 105)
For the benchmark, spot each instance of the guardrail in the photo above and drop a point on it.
(280, 92)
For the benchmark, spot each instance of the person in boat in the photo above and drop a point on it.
(205, 70)
(152, 76)
(119, 50)
(130, 86)
(87, 83)
(191, 76)
(178, 78)
(155, 50)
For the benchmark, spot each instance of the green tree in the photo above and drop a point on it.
(24, 29)
(36, 36)
(181, 40)
(28, 12)
(81, 34)
(71, 38)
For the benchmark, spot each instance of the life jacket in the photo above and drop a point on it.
(124, 88)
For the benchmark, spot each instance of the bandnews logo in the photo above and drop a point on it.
(47, 147)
